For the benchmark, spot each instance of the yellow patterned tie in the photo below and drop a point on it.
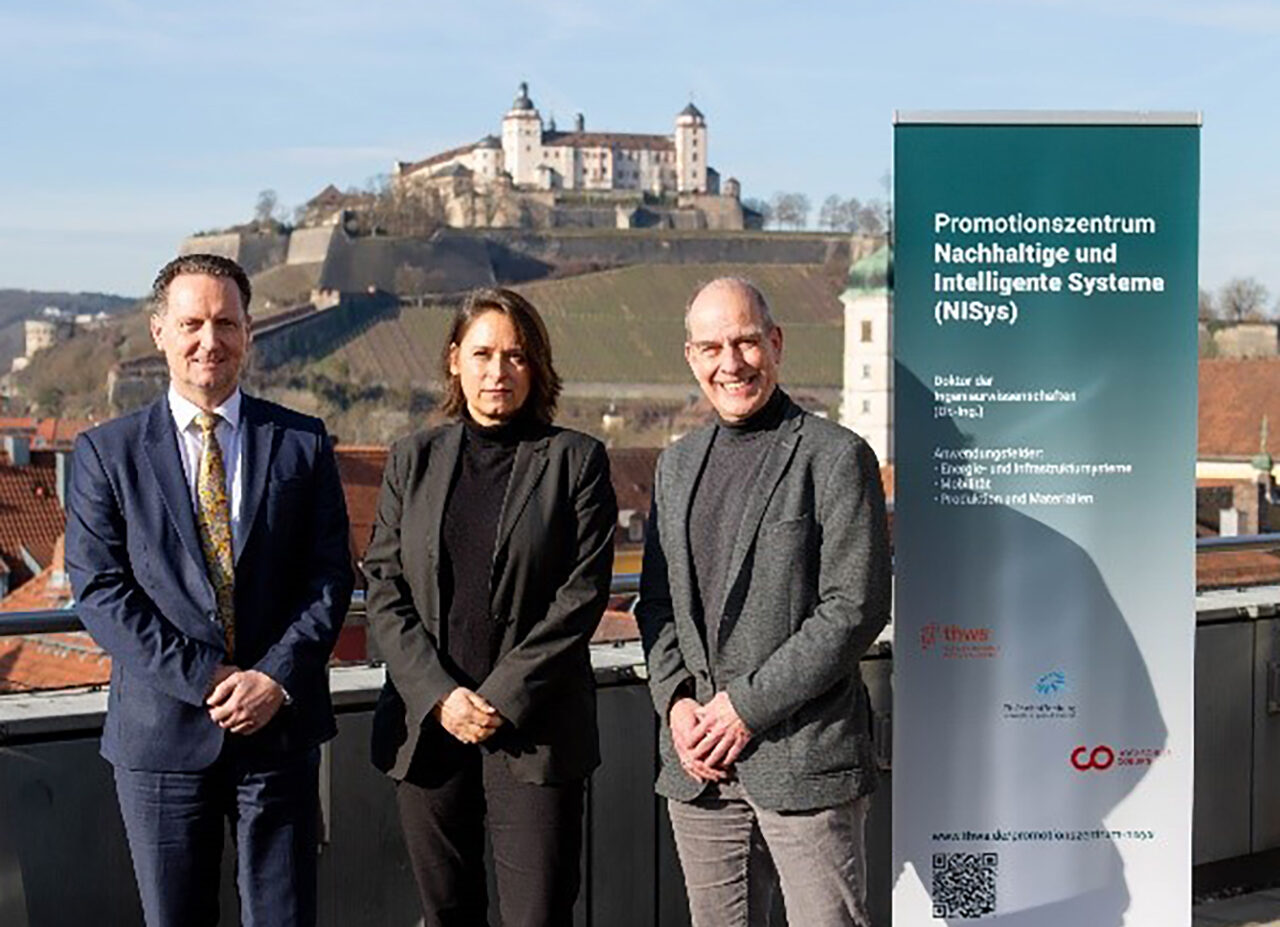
(214, 518)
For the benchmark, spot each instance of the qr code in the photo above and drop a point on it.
(964, 884)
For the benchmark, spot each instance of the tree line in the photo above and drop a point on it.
(1240, 299)
(837, 214)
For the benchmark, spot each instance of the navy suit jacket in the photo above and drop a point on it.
(135, 564)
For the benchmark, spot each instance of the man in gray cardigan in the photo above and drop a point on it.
(765, 579)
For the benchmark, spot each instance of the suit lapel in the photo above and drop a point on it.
(433, 490)
(687, 475)
(526, 471)
(422, 512)
(166, 467)
(256, 448)
(772, 470)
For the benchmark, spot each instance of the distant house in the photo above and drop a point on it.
(32, 490)
(1255, 338)
(33, 662)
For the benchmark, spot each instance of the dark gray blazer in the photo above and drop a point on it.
(552, 565)
(807, 591)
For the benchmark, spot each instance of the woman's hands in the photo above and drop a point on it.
(467, 716)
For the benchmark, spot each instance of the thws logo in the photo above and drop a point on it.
(957, 641)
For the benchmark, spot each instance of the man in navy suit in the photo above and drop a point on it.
(207, 547)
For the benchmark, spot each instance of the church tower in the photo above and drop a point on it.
(522, 139)
(691, 151)
(866, 402)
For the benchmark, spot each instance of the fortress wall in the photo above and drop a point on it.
(227, 245)
(656, 247)
(311, 245)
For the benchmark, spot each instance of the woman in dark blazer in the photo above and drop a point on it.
(488, 571)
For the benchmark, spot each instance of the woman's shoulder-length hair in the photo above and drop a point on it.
(544, 382)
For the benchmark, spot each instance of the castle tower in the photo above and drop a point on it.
(691, 151)
(522, 139)
(866, 402)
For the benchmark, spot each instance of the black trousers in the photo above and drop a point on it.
(535, 832)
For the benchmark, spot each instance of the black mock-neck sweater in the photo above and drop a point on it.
(471, 634)
(737, 451)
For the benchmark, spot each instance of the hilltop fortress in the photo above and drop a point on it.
(536, 176)
(610, 231)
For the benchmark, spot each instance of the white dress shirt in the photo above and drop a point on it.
(191, 446)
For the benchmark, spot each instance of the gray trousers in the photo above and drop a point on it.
(734, 853)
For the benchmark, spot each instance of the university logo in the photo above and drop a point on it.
(1050, 683)
(1100, 757)
(957, 641)
(1103, 757)
(928, 636)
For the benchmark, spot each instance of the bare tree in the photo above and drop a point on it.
(405, 208)
(852, 206)
(755, 204)
(802, 207)
(1242, 298)
(791, 209)
(872, 218)
(831, 214)
(265, 209)
(781, 206)
(1207, 310)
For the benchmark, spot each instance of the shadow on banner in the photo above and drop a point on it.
(1018, 686)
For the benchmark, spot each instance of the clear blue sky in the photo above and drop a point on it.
(127, 124)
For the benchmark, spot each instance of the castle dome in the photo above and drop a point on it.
(874, 272)
(522, 101)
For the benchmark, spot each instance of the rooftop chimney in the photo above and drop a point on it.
(18, 447)
(579, 124)
(62, 476)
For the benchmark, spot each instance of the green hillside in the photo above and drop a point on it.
(618, 326)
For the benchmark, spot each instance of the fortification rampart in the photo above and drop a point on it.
(624, 247)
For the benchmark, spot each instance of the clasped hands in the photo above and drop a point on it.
(708, 738)
(242, 701)
(467, 715)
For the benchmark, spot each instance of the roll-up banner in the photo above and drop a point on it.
(1045, 299)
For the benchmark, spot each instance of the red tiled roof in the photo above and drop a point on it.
(59, 432)
(1235, 395)
(632, 471)
(437, 158)
(616, 626)
(51, 661)
(48, 589)
(626, 140)
(30, 515)
(45, 432)
(329, 194)
(886, 480)
(1228, 570)
(361, 470)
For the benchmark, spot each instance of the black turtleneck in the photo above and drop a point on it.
(737, 451)
(470, 531)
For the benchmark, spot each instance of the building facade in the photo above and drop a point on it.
(530, 155)
(866, 404)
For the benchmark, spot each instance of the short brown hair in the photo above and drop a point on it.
(211, 265)
(544, 385)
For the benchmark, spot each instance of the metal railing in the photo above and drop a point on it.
(58, 621)
(62, 620)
